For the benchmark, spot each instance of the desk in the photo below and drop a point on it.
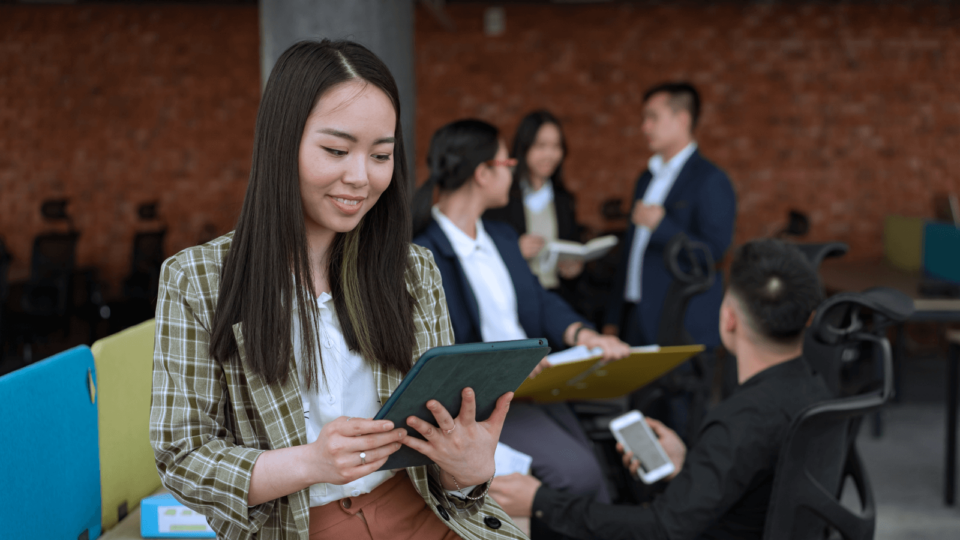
(839, 275)
(129, 527)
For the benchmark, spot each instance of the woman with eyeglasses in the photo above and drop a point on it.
(540, 208)
(493, 296)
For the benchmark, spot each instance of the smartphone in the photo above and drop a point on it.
(632, 431)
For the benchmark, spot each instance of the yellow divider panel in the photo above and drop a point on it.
(903, 242)
(128, 473)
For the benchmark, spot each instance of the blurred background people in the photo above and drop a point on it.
(681, 192)
(493, 296)
(540, 208)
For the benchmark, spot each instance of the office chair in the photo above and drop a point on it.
(140, 286)
(817, 253)
(819, 452)
(694, 272)
(46, 300)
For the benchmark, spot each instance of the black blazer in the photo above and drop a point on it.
(701, 204)
(513, 213)
(541, 313)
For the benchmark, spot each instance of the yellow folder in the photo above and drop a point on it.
(592, 379)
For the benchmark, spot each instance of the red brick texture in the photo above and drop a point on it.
(849, 112)
(112, 106)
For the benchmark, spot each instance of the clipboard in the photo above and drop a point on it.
(490, 369)
(591, 379)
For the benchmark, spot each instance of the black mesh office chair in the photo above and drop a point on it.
(692, 266)
(144, 278)
(47, 293)
(142, 283)
(820, 453)
(693, 270)
(46, 298)
(817, 253)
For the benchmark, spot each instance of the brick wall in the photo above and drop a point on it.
(846, 112)
(112, 106)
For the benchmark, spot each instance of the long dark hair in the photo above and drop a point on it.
(267, 269)
(456, 150)
(524, 139)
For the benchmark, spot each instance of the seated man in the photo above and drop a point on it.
(722, 487)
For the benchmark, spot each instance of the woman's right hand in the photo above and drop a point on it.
(336, 452)
(530, 245)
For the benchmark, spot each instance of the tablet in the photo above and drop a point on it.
(490, 369)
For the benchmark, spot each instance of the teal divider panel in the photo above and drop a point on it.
(941, 251)
(50, 475)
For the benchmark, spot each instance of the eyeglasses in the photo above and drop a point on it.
(510, 163)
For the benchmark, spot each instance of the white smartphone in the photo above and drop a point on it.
(632, 431)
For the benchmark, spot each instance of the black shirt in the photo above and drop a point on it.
(723, 490)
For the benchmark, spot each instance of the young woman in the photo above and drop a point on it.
(540, 208)
(277, 343)
(493, 296)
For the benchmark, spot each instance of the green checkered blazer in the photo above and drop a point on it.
(209, 421)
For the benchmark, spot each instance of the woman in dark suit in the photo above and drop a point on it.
(492, 295)
(540, 208)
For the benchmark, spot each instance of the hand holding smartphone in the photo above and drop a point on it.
(632, 431)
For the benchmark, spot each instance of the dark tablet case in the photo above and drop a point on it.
(491, 369)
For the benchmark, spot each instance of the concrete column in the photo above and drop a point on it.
(383, 26)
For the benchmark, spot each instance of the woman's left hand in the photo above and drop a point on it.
(613, 348)
(569, 269)
(462, 447)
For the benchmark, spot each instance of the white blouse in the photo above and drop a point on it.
(347, 388)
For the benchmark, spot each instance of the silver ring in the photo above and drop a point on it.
(449, 431)
(363, 458)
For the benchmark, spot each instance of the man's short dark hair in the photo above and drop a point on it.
(683, 95)
(777, 287)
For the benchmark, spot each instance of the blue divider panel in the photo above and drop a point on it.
(941, 251)
(50, 472)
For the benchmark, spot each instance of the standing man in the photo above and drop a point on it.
(681, 191)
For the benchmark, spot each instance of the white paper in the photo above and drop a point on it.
(509, 461)
(574, 354)
(562, 250)
(645, 349)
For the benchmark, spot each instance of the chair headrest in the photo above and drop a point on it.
(839, 316)
(698, 258)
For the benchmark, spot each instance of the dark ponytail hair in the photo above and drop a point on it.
(524, 139)
(456, 150)
(267, 269)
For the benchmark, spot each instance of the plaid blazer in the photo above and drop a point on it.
(209, 421)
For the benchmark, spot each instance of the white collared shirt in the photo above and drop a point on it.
(347, 388)
(489, 279)
(664, 176)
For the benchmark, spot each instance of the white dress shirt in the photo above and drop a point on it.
(664, 175)
(347, 389)
(489, 279)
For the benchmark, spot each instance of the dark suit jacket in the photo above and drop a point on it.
(701, 204)
(514, 215)
(541, 313)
